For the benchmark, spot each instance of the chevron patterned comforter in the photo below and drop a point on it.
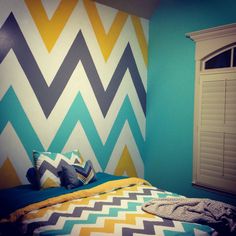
(112, 208)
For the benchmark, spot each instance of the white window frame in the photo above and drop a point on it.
(208, 43)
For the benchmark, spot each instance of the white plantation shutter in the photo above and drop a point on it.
(216, 156)
(214, 146)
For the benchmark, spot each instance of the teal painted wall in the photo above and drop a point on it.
(170, 92)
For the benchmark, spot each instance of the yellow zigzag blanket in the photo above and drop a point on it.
(103, 188)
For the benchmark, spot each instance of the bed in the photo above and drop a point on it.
(111, 205)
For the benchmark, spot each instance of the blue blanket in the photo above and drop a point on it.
(18, 197)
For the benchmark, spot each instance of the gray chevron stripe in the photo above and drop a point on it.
(98, 206)
(48, 96)
(148, 228)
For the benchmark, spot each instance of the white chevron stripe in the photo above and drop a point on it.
(78, 139)
(50, 63)
(128, 36)
(57, 160)
(12, 148)
(69, 210)
(138, 223)
(47, 128)
(100, 224)
(126, 138)
(124, 205)
(145, 25)
(85, 214)
(125, 194)
(20, 12)
(48, 174)
(102, 124)
(61, 221)
(6, 7)
(55, 209)
(159, 230)
(50, 7)
(107, 15)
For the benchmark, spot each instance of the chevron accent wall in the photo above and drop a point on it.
(73, 74)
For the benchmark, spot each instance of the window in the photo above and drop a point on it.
(214, 162)
(219, 61)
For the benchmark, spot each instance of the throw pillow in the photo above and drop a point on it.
(48, 166)
(85, 172)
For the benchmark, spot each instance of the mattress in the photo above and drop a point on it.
(113, 206)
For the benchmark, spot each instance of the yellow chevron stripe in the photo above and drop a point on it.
(108, 186)
(141, 38)
(85, 201)
(106, 41)
(50, 30)
(125, 164)
(109, 224)
(8, 175)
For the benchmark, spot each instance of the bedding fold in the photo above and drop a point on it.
(218, 215)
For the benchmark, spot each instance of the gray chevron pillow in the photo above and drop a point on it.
(49, 166)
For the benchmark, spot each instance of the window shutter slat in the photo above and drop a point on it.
(230, 156)
(213, 103)
(211, 145)
(230, 113)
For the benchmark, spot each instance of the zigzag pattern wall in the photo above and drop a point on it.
(73, 75)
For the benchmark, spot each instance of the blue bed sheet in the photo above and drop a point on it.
(18, 197)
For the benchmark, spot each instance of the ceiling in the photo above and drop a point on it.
(141, 8)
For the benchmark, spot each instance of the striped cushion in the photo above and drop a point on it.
(49, 166)
(85, 172)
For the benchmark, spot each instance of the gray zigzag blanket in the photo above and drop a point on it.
(218, 215)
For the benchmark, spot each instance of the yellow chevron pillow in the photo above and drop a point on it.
(49, 166)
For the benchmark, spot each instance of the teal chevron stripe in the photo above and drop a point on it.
(92, 218)
(97, 210)
(12, 111)
(189, 230)
(79, 112)
(113, 207)
(113, 212)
